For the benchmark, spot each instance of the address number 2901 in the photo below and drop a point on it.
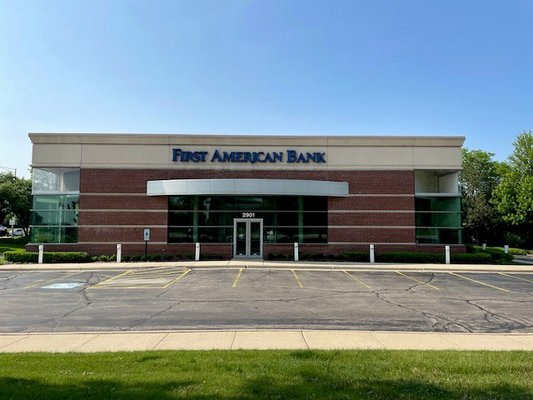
(248, 215)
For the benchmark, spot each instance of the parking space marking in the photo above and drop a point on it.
(237, 278)
(357, 280)
(144, 279)
(481, 283)
(416, 280)
(516, 277)
(178, 278)
(297, 280)
(151, 270)
(42, 282)
(112, 278)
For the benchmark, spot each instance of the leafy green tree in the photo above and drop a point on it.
(15, 198)
(513, 197)
(479, 177)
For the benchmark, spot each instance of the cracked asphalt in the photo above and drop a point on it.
(169, 298)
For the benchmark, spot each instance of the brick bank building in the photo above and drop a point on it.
(244, 196)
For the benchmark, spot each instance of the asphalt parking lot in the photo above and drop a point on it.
(162, 298)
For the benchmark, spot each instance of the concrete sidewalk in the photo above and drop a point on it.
(275, 265)
(259, 340)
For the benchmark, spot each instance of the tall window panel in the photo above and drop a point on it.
(54, 214)
(438, 220)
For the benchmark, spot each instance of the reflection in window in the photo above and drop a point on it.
(55, 180)
(286, 219)
(438, 219)
(54, 219)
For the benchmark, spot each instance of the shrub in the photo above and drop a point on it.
(19, 257)
(498, 255)
(517, 252)
(104, 258)
(410, 257)
(211, 257)
(471, 258)
(356, 256)
(278, 257)
(312, 257)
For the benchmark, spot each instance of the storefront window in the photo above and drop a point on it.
(54, 214)
(286, 219)
(438, 220)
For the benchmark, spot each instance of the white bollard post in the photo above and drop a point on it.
(483, 246)
(197, 253)
(447, 254)
(372, 255)
(506, 249)
(296, 256)
(41, 253)
(119, 252)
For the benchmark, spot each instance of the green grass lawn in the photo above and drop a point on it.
(12, 244)
(268, 375)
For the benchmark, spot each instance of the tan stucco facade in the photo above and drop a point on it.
(154, 151)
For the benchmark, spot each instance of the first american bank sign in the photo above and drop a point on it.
(252, 157)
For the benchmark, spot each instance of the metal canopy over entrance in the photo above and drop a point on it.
(248, 238)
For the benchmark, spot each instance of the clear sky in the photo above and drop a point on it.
(330, 67)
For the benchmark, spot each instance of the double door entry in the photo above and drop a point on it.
(248, 237)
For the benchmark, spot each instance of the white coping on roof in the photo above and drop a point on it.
(127, 151)
(279, 187)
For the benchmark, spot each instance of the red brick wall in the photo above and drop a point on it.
(105, 190)
(371, 219)
(134, 180)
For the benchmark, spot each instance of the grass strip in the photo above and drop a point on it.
(371, 374)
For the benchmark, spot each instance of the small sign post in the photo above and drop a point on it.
(12, 222)
(146, 239)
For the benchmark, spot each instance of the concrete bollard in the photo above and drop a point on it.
(119, 252)
(296, 256)
(372, 254)
(483, 246)
(506, 249)
(447, 254)
(197, 252)
(41, 253)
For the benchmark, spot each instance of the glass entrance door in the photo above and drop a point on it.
(248, 237)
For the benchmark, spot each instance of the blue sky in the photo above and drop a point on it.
(331, 67)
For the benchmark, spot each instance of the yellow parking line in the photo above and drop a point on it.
(156, 275)
(297, 280)
(481, 283)
(357, 280)
(177, 279)
(112, 278)
(53, 279)
(237, 278)
(417, 280)
(516, 277)
(155, 269)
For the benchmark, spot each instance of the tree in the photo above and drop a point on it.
(479, 177)
(513, 197)
(15, 198)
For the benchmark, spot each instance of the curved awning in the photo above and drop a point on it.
(248, 187)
